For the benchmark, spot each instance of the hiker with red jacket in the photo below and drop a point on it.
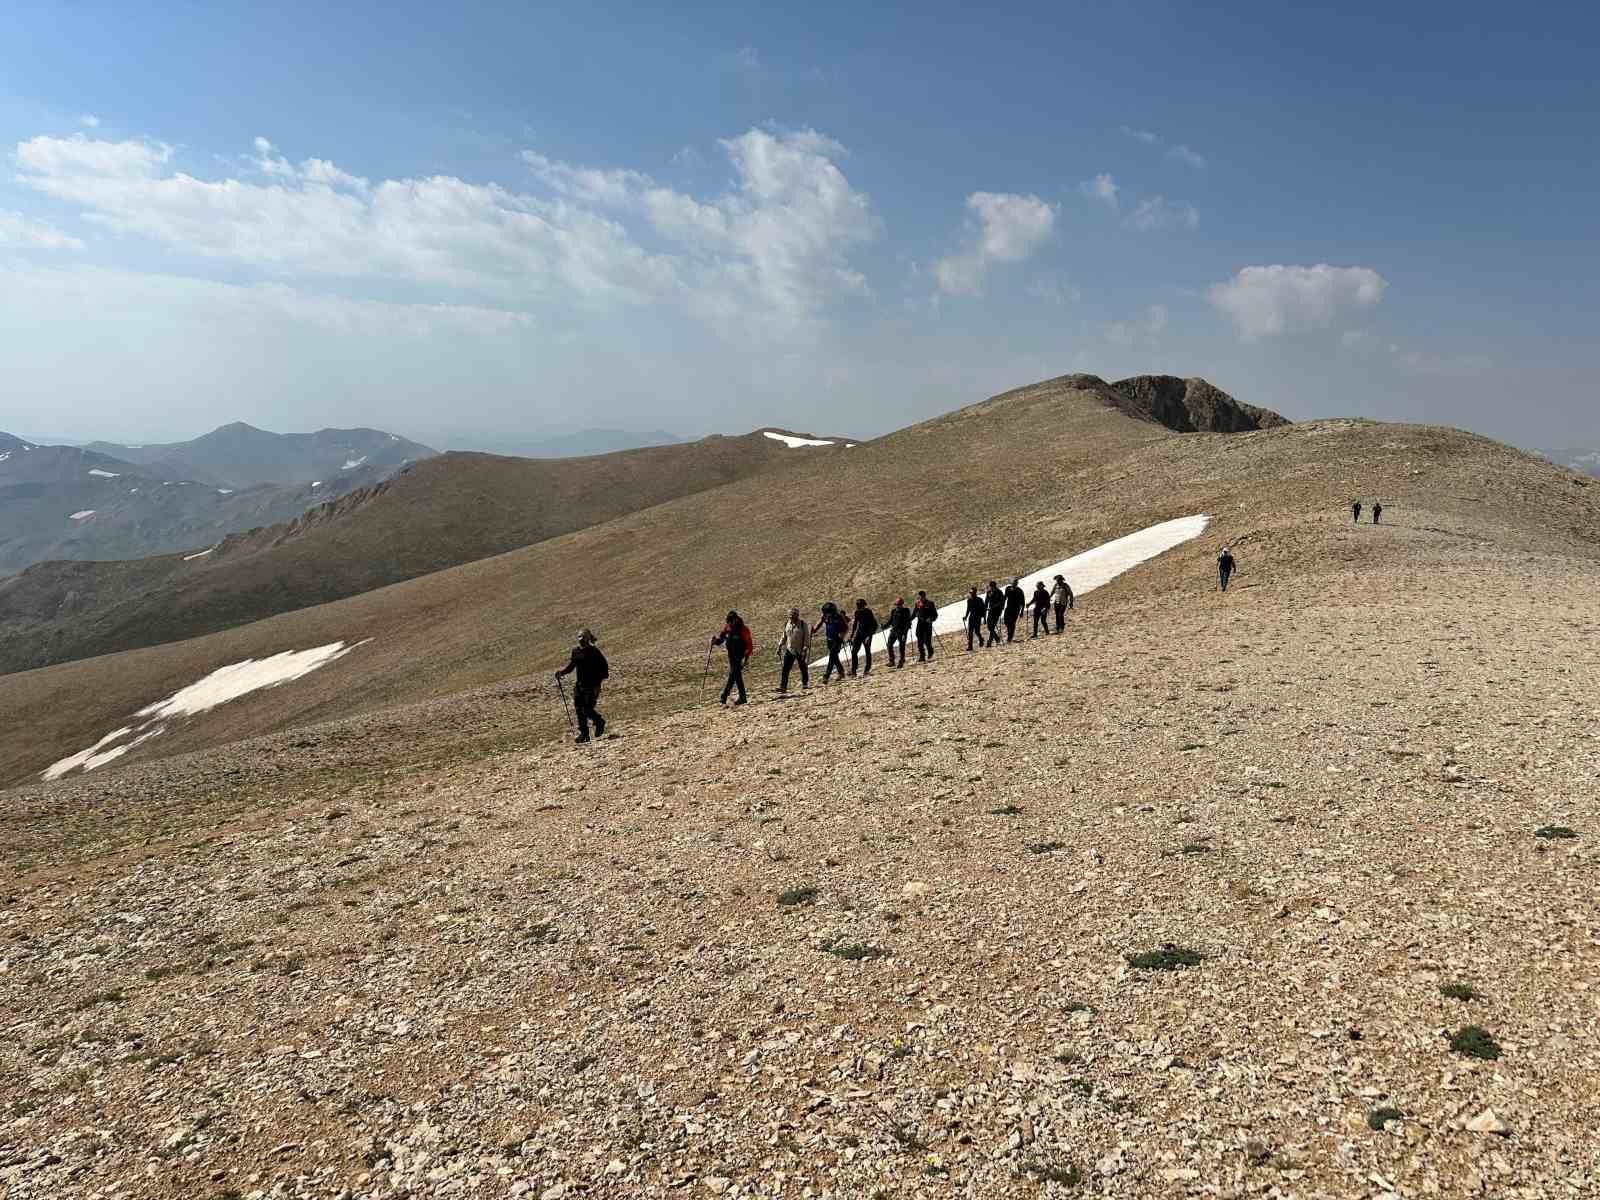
(862, 628)
(741, 645)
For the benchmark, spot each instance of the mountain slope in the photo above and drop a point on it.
(241, 456)
(446, 510)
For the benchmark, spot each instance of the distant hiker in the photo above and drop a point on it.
(834, 625)
(1015, 599)
(862, 627)
(899, 627)
(994, 605)
(1225, 565)
(592, 670)
(1355, 511)
(1041, 609)
(926, 612)
(741, 645)
(1377, 512)
(796, 643)
(974, 618)
(1062, 599)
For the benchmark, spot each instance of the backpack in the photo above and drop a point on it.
(867, 622)
(837, 625)
(749, 641)
(604, 667)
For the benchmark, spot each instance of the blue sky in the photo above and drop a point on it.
(456, 220)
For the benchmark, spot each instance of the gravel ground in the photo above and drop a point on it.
(876, 940)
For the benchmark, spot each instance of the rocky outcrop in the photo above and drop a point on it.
(1190, 405)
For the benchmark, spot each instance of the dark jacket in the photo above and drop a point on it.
(996, 601)
(1041, 599)
(899, 618)
(864, 625)
(733, 636)
(589, 664)
(1225, 563)
(975, 609)
(1015, 599)
(925, 611)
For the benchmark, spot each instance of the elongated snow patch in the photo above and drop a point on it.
(1084, 572)
(223, 684)
(794, 443)
(81, 514)
(103, 474)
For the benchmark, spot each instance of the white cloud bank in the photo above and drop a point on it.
(1272, 300)
(1008, 228)
(17, 232)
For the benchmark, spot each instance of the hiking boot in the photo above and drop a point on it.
(580, 739)
(599, 727)
(739, 701)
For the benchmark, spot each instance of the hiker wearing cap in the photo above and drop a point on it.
(926, 613)
(862, 627)
(1039, 604)
(975, 611)
(994, 603)
(1015, 599)
(833, 625)
(592, 670)
(899, 627)
(1061, 599)
(741, 644)
(1225, 566)
(793, 649)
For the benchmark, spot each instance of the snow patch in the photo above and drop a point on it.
(224, 491)
(794, 443)
(103, 474)
(1084, 572)
(351, 464)
(5, 456)
(80, 514)
(316, 483)
(197, 554)
(219, 687)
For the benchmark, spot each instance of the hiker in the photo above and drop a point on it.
(926, 612)
(741, 645)
(793, 649)
(1015, 599)
(1225, 565)
(592, 670)
(899, 627)
(1355, 511)
(1041, 609)
(833, 623)
(862, 627)
(975, 611)
(1062, 599)
(994, 605)
(1377, 512)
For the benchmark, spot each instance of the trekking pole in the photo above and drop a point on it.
(706, 674)
(561, 690)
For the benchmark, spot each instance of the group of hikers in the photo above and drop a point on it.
(1377, 511)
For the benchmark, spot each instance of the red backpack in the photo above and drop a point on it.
(749, 640)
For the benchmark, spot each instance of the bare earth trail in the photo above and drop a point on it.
(557, 974)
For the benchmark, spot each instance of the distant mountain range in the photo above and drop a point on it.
(107, 501)
(1584, 461)
(581, 444)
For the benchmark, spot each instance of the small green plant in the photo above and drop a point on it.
(1460, 991)
(1475, 1042)
(907, 1138)
(1554, 831)
(543, 933)
(1195, 848)
(852, 951)
(94, 999)
(1379, 1117)
(1168, 958)
(1046, 847)
(1006, 810)
(1067, 1176)
(797, 896)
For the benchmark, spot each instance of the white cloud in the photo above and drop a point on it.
(48, 157)
(1009, 228)
(89, 121)
(1271, 300)
(1157, 212)
(610, 188)
(1188, 157)
(17, 232)
(1142, 330)
(1142, 135)
(748, 57)
(1102, 188)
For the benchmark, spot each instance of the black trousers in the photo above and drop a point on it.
(924, 641)
(1061, 617)
(974, 630)
(1041, 620)
(835, 663)
(735, 678)
(790, 658)
(856, 647)
(584, 700)
(1223, 575)
(992, 621)
(897, 636)
(1011, 626)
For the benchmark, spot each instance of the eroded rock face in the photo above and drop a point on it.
(1191, 405)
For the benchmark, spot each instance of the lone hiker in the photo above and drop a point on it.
(974, 617)
(794, 649)
(1377, 512)
(994, 604)
(1061, 597)
(1041, 609)
(1355, 511)
(833, 625)
(862, 627)
(899, 627)
(1015, 599)
(592, 670)
(926, 612)
(1225, 566)
(741, 645)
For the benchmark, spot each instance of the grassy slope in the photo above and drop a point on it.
(1020, 480)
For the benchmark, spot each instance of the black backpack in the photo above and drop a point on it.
(866, 622)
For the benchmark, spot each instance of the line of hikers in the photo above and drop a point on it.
(1355, 511)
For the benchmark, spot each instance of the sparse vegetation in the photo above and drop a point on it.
(1067, 1175)
(1046, 847)
(1168, 958)
(1474, 1041)
(1555, 832)
(1006, 810)
(1460, 991)
(95, 999)
(1380, 1117)
(852, 951)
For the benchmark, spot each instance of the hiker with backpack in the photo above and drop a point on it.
(1015, 599)
(741, 644)
(994, 606)
(1040, 603)
(833, 624)
(592, 670)
(975, 611)
(1061, 599)
(794, 648)
(862, 628)
(1225, 566)
(899, 627)
(926, 613)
